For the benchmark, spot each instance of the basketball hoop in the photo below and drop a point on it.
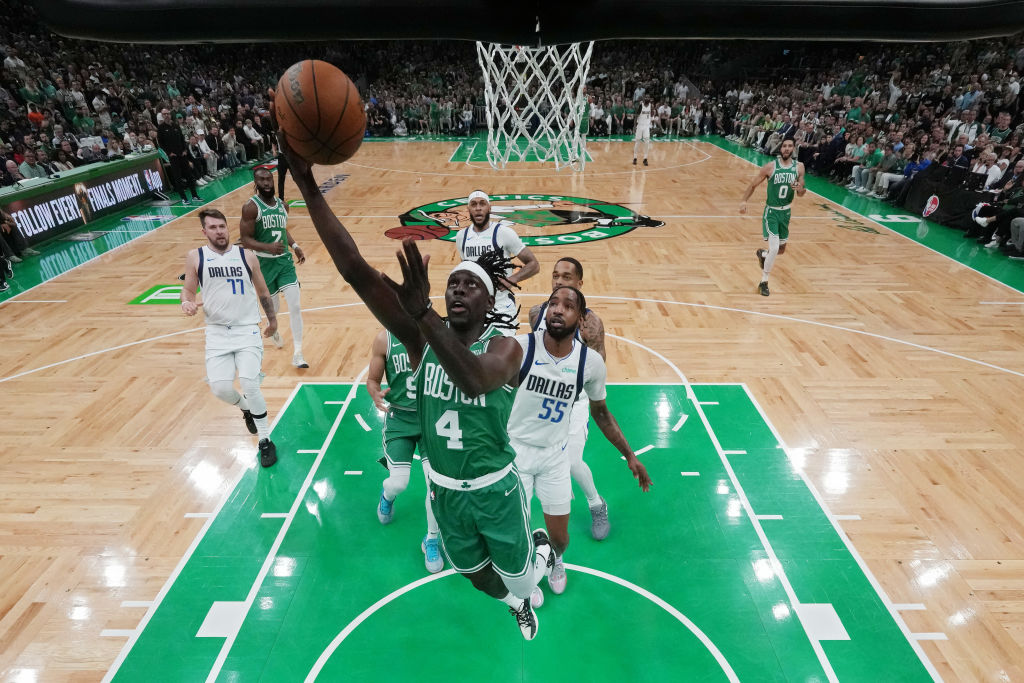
(535, 102)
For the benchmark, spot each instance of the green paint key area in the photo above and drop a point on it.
(684, 588)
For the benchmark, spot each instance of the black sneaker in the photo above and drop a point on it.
(250, 422)
(763, 289)
(645, 162)
(8, 268)
(634, 162)
(760, 257)
(268, 453)
(527, 620)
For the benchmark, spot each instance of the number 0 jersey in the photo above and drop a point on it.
(464, 437)
(226, 281)
(780, 182)
(549, 387)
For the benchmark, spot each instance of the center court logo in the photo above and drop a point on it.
(563, 220)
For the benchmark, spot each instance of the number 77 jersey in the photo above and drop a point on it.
(548, 388)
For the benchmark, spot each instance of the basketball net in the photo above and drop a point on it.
(535, 101)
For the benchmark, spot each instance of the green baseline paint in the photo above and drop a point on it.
(684, 542)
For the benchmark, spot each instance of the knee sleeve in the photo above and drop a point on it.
(773, 251)
(397, 481)
(225, 391)
(251, 387)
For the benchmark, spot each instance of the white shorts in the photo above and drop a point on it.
(233, 350)
(643, 133)
(547, 470)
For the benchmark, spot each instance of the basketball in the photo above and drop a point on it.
(417, 232)
(319, 109)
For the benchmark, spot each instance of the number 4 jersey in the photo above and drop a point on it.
(464, 437)
(548, 388)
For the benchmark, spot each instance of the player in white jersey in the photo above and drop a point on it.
(557, 366)
(643, 129)
(484, 236)
(568, 272)
(232, 283)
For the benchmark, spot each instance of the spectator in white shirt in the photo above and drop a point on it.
(255, 139)
(209, 156)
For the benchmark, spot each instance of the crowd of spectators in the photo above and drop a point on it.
(869, 116)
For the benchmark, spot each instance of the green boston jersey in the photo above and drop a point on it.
(464, 437)
(399, 375)
(271, 225)
(780, 182)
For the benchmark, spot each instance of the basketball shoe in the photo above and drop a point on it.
(250, 422)
(431, 555)
(527, 619)
(763, 289)
(385, 509)
(268, 453)
(599, 526)
(557, 578)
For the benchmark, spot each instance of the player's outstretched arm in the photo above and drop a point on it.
(188, 290)
(365, 279)
(609, 426)
(374, 376)
(473, 374)
(263, 293)
(761, 176)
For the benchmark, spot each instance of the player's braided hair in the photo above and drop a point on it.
(496, 265)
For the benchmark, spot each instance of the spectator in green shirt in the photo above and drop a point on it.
(84, 123)
(29, 168)
(861, 172)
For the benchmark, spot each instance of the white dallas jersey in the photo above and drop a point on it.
(229, 297)
(643, 120)
(499, 236)
(580, 418)
(549, 389)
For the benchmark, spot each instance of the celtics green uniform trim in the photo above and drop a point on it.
(775, 219)
(271, 227)
(467, 442)
(401, 424)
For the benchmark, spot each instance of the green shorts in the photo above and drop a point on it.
(774, 221)
(278, 272)
(491, 524)
(401, 432)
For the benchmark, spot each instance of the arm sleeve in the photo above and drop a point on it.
(594, 377)
(509, 240)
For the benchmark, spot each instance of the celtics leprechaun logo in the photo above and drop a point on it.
(540, 219)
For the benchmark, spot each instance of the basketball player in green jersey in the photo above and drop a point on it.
(785, 176)
(264, 230)
(466, 373)
(389, 360)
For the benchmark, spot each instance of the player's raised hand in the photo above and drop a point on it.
(414, 290)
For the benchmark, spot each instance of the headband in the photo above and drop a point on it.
(478, 194)
(477, 270)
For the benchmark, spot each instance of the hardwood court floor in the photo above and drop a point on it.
(893, 386)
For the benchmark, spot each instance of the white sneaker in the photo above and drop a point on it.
(276, 337)
(993, 244)
(299, 362)
(527, 620)
(200, 182)
(537, 597)
(557, 577)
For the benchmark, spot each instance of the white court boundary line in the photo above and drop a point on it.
(643, 592)
(881, 225)
(893, 612)
(713, 307)
(283, 531)
(155, 603)
(777, 567)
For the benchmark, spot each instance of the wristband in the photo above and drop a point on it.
(294, 245)
(422, 313)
